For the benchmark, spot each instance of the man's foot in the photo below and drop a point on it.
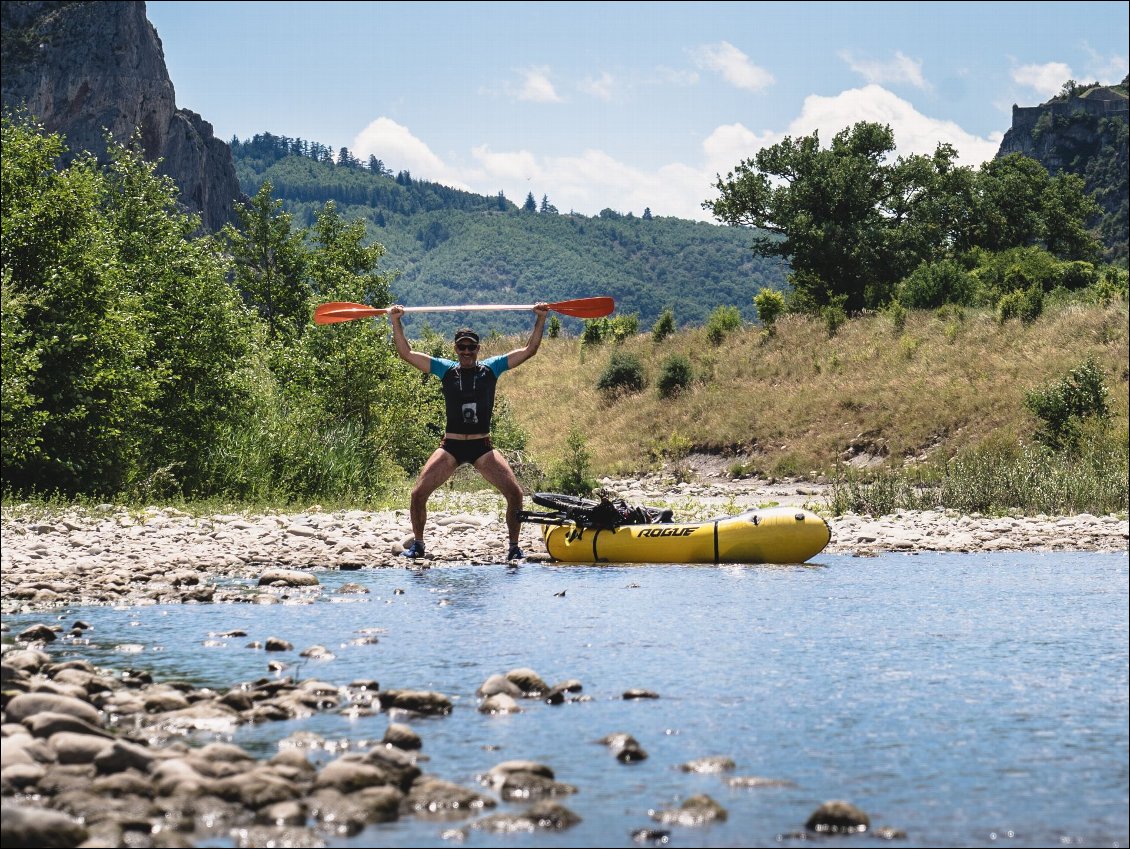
(515, 553)
(416, 549)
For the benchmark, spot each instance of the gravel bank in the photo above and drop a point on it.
(163, 555)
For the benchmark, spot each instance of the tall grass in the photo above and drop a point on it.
(1001, 478)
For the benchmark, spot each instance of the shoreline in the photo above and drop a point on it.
(164, 555)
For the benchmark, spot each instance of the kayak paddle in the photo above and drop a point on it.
(336, 311)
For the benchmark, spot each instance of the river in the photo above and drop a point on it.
(963, 699)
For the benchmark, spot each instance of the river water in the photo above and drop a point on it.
(964, 699)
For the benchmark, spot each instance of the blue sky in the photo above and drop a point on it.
(624, 105)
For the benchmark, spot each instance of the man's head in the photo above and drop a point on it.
(466, 343)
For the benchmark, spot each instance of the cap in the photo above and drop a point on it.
(466, 333)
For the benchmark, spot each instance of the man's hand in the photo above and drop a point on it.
(541, 308)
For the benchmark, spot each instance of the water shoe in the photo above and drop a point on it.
(415, 550)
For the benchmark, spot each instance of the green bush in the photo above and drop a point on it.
(833, 316)
(1024, 304)
(664, 325)
(770, 305)
(1063, 405)
(722, 321)
(624, 373)
(1078, 275)
(896, 312)
(615, 329)
(572, 475)
(675, 375)
(936, 284)
(998, 274)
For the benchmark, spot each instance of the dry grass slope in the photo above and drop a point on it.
(797, 401)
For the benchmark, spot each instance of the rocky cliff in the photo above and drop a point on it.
(79, 67)
(1083, 131)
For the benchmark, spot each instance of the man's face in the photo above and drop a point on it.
(467, 351)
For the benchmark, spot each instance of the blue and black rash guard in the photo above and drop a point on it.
(469, 393)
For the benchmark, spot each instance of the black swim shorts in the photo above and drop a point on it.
(467, 450)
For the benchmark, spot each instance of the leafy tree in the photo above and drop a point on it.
(853, 224)
(546, 207)
(123, 342)
(198, 328)
(530, 205)
(832, 207)
(1017, 204)
(81, 355)
(269, 263)
(646, 213)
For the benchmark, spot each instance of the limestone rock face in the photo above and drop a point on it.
(85, 68)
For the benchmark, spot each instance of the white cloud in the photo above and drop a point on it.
(602, 88)
(537, 87)
(395, 145)
(914, 132)
(734, 66)
(592, 180)
(1047, 79)
(901, 69)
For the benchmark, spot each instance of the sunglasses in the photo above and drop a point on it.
(467, 346)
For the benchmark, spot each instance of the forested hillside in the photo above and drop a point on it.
(447, 246)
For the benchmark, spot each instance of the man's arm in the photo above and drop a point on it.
(414, 358)
(520, 355)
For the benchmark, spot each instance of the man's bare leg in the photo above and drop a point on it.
(497, 472)
(437, 470)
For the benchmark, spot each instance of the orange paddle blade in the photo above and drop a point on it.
(585, 307)
(336, 311)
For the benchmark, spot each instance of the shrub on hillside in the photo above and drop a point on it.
(1063, 405)
(1024, 304)
(664, 326)
(770, 305)
(624, 373)
(572, 475)
(723, 320)
(615, 329)
(675, 376)
(935, 284)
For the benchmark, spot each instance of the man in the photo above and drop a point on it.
(468, 393)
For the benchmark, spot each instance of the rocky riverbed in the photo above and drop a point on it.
(98, 758)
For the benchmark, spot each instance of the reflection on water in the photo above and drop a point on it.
(956, 697)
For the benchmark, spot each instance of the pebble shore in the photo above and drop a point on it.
(110, 555)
